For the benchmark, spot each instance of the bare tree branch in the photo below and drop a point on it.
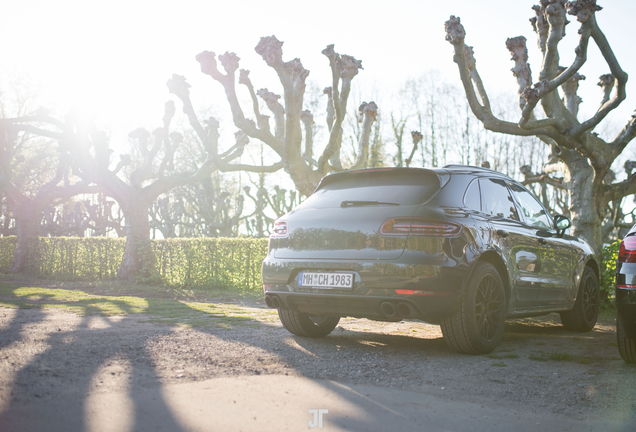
(368, 112)
(619, 190)
(417, 137)
(584, 11)
(455, 34)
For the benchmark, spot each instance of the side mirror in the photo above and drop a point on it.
(561, 223)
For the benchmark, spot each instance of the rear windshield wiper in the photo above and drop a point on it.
(365, 203)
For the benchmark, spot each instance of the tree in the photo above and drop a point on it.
(27, 203)
(87, 156)
(34, 173)
(88, 217)
(292, 124)
(197, 210)
(584, 157)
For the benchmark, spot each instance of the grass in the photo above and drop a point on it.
(563, 356)
(537, 358)
(499, 356)
(501, 364)
(113, 287)
(160, 304)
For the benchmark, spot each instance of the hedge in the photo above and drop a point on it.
(234, 263)
(75, 258)
(608, 272)
(7, 246)
(219, 262)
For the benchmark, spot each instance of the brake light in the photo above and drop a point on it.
(627, 251)
(279, 230)
(420, 227)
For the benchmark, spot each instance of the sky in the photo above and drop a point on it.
(111, 60)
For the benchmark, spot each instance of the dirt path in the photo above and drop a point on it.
(52, 353)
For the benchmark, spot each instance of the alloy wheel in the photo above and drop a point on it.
(488, 308)
(590, 299)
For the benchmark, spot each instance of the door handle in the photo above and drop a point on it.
(502, 233)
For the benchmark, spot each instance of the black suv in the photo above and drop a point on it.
(459, 246)
(626, 297)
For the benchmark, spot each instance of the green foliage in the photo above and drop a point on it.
(233, 263)
(7, 246)
(226, 262)
(608, 273)
(75, 258)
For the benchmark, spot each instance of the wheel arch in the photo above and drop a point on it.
(591, 262)
(584, 262)
(493, 258)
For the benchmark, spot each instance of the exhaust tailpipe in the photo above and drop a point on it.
(272, 301)
(388, 309)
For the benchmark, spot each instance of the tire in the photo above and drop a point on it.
(476, 327)
(302, 324)
(583, 316)
(626, 345)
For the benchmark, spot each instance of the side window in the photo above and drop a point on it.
(496, 199)
(532, 210)
(472, 197)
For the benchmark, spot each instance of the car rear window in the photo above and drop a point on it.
(402, 187)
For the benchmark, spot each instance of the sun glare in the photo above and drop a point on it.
(112, 60)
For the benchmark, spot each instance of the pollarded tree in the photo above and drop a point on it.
(584, 157)
(292, 136)
(134, 191)
(34, 172)
(197, 210)
(54, 183)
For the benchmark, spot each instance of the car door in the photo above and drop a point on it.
(515, 241)
(556, 255)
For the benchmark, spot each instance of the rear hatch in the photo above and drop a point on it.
(342, 219)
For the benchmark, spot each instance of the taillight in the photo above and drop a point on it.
(423, 293)
(279, 230)
(627, 251)
(420, 227)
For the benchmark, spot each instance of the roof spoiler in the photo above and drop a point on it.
(442, 174)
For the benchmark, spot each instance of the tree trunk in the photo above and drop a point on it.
(27, 218)
(139, 260)
(584, 203)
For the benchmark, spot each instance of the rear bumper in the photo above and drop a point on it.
(382, 308)
(437, 279)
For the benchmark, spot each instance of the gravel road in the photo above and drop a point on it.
(48, 353)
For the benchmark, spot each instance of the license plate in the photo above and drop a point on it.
(326, 280)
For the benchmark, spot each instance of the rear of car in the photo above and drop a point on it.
(626, 297)
(438, 245)
(382, 244)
